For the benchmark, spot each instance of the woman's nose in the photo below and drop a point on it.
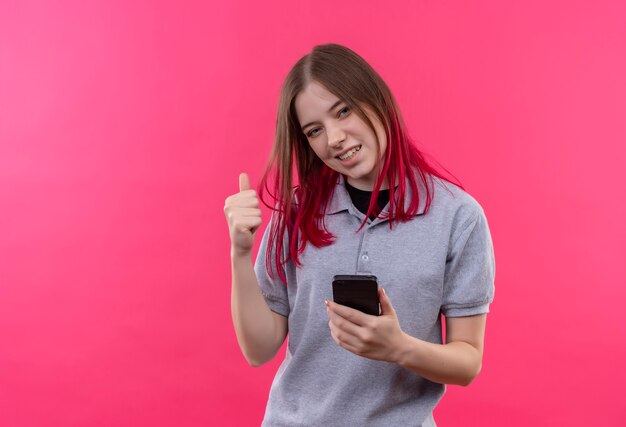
(335, 136)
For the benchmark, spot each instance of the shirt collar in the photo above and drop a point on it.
(340, 200)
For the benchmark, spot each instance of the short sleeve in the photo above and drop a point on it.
(273, 289)
(470, 270)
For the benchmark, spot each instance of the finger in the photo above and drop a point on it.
(385, 303)
(245, 212)
(246, 199)
(248, 223)
(244, 182)
(351, 349)
(347, 343)
(342, 337)
(355, 316)
(343, 324)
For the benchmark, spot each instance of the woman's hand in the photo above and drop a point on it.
(243, 217)
(374, 337)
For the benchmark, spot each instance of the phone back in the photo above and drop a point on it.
(357, 291)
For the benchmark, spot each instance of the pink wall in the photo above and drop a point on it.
(124, 127)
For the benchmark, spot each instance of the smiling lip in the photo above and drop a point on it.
(345, 151)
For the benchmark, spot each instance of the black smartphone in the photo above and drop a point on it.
(357, 291)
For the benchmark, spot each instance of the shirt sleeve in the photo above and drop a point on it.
(470, 270)
(273, 289)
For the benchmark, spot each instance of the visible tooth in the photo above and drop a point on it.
(350, 153)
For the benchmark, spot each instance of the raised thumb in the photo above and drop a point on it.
(244, 182)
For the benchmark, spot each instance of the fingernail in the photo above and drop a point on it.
(385, 293)
(326, 302)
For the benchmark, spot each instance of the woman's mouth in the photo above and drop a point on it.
(350, 154)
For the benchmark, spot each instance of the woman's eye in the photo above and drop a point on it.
(311, 132)
(344, 109)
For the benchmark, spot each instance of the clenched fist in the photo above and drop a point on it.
(243, 216)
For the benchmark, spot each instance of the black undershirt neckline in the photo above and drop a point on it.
(361, 198)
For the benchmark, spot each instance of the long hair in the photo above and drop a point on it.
(299, 209)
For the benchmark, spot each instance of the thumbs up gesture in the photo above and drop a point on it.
(243, 216)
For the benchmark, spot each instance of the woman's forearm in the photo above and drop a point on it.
(453, 363)
(253, 321)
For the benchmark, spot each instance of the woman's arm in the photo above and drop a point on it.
(260, 331)
(381, 338)
(457, 362)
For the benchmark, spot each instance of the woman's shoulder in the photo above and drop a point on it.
(449, 198)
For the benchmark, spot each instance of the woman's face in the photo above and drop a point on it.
(339, 137)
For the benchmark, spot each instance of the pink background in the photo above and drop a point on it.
(124, 127)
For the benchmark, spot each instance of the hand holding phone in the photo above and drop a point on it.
(357, 291)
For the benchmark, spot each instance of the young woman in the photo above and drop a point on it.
(367, 202)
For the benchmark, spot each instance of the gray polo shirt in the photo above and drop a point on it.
(437, 263)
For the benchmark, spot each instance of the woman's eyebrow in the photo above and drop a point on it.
(329, 110)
